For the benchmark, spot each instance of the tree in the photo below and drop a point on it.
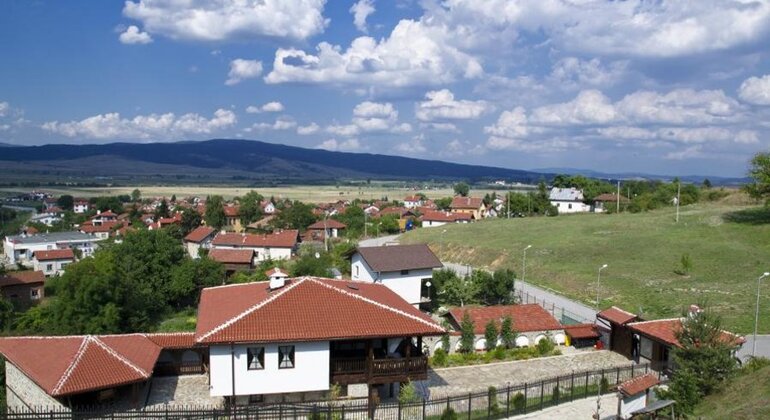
(706, 183)
(107, 203)
(458, 291)
(497, 288)
(215, 212)
(250, 207)
(173, 198)
(136, 195)
(443, 203)
(507, 334)
(191, 219)
(467, 333)
(188, 278)
(490, 335)
(462, 189)
(162, 210)
(298, 215)
(65, 202)
(759, 188)
(310, 265)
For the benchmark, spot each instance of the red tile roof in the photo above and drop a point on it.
(413, 198)
(174, 340)
(75, 364)
(283, 239)
(232, 211)
(199, 234)
(665, 330)
(466, 203)
(612, 198)
(54, 254)
(276, 271)
(106, 226)
(617, 315)
(399, 257)
(14, 278)
(445, 216)
(527, 317)
(232, 256)
(329, 223)
(307, 309)
(639, 384)
(581, 331)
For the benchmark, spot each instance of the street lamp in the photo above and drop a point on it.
(524, 263)
(598, 281)
(756, 315)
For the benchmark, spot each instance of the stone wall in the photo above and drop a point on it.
(22, 392)
(431, 343)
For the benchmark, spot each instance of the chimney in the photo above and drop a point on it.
(277, 282)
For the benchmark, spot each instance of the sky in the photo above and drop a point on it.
(655, 86)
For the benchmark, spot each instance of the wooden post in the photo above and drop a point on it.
(408, 356)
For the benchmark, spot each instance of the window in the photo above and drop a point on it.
(404, 272)
(34, 294)
(356, 271)
(285, 357)
(255, 358)
(49, 267)
(645, 348)
(570, 205)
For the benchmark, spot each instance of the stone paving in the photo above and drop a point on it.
(462, 380)
(576, 410)
(182, 390)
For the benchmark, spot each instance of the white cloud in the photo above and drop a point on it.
(4, 108)
(345, 130)
(147, 127)
(268, 107)
(415, 53)
(221, 20)
(589, 107)
(413, 146)
(688, 153)
(335, 145)
(374, 116)
(241, 69)
(626, 133)
(361, 10)
(282, 123)
(441, 105)
(510, 124)
(443, 126)
(132, 35)
(305, 130)
(572, 72)
(680, 106)
(756, 90)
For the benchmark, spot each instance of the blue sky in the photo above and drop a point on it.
(669, 87)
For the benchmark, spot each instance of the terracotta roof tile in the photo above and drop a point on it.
(399, 257)
(232, 211)
(307, 309)
(232, 256)
(617, 315)
(177, 340)
(527, 317)
(12, 278)
(581, 331)
(330, 224)
(466, 203)
(199, 234)
(54, 254)
(283, 239)
(276, 271)
(442, 216)
(665, 330)
(638, 385)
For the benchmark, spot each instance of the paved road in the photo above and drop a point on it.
(382, 240)
(763, 347)
(579, 409)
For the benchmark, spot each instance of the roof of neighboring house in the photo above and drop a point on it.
(565, 194)
(74, 364)
(582, 331)
(31, 230)
(174, 340)
(639, 384)
(617, 315)
(399, 257)
(54, 254)
(50, 237)
(15, 278)
(307, 309)
(276, 272)
(399, 211)
(106, 213)
(232, 211)
(665, 330)
(612, 198)
(106, 226)
(199, 234)
(232, 256)
(413, 198)
(328, 224)
(444, 216)
(472, 203)
(283, 239)
(526, 317)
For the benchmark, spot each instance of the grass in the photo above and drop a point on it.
(728, 244)
(184, 320)
(746, 397)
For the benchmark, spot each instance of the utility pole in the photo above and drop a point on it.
(617, 207)
(508, 205)
(678, 195)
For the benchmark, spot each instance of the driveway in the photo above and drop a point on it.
(579, 409)
(382, 240)
(763, 347)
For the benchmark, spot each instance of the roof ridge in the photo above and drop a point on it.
(374, 302)
(121, 357)
(654, 320)
(68, 372)
(249, 310)
(622, 310)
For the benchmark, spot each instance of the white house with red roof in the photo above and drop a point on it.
(413, 201)
(274, 246)
(199, 238)
(81, 205)
(52, 262)
(440, 218)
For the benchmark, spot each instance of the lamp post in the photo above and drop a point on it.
(598, 282)
(756, 315)
(524, 263)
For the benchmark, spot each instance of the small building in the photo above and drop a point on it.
(603, 202)
(19, 248)
(233, 259)
(23, 287)
(568, 200)
(634, 394)
(104, 229)
(275, 274)
(199, 238)
(52, 262)
(103, 216)
(48, 218)
(324, 229)
(233, 219)
(275, 246)
(268, 207)
(440, 218)
(81, 205)
(582, 335)
(405, 269)
(413, 201)
(471, 205)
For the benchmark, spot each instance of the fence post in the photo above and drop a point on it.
(399, 409)
(470, 399)
(508, 400)
(542, 393)
(423, 408)
(601, 381)
(526, 405)
(572, 386)
(632, 370)
(559, 395)
(343, 412)
(280, 410)
(617, 378)
(586, 387)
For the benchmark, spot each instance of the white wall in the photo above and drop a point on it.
(263, 253)
(577, 206)
(57, 266)
(432, 223)
(631, 404)
(408, 286)
(311, 371)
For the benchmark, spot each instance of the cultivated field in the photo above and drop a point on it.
(729, 245)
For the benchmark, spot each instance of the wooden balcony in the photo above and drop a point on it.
(378, 371)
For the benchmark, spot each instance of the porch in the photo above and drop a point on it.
(377, 361)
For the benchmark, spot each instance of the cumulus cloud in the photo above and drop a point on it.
(282, 123)
(241, 70)
(572, 72)
(589, 107)
(221, 20)
(132, 35)
(343, 145)
(361, 10)
(441, 105)
(756, 90)
(679, 106)
(4, 108)
(306, 130)
(145, 127)
(371, 117)
(413, 146)
(345, 130)
(268, 107)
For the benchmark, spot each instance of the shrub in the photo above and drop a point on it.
(545, 346)
(449, 414)
(494, 406)
(507, 335)
(467, 334)
(408, 393)
(445, 343)
(556, 394)
(519, 401)
(490, 335)
(755, 363)
(604, 385)
(439, 358)
(499, 353)
(685, 265)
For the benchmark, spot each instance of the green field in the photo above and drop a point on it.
(729, 245)
(745, 397)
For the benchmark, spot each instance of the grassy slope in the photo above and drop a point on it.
(744, 398)
(642, 251)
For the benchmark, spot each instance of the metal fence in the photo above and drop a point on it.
(564, 316)
(494, 403)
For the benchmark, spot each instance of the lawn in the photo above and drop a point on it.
(746, 397)
(728, 244)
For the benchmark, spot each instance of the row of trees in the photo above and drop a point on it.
(481, 287)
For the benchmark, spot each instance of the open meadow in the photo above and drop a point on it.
(728, 244)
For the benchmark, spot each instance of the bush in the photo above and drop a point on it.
(449, 414)
(519, 401)
(499, 353)
(439, 358)
(556, 394)
(685, 265)
(545, 346)
(604, 385)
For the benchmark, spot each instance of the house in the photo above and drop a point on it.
(268, 207)
(233, 219)
(405, 269)
(470, 205)
(52, 262)
(49, 203)
(234, 259)
(568, 200)
(613, 321)
(582, 335)
(440, 218)
(19, 248)
(23, 287)
(199, 238)
(276, 274)
(413, 201)
(323, 229)
(602, 202)
(103, 216)
(81, 205)
(634, 394)
(275, 246)
(531, 323)
(104, 229)
(290, 342)
(49, 218)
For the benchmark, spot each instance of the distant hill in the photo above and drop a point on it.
(235, 159)
(695, 179)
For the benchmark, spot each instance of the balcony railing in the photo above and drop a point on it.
(361, 370)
